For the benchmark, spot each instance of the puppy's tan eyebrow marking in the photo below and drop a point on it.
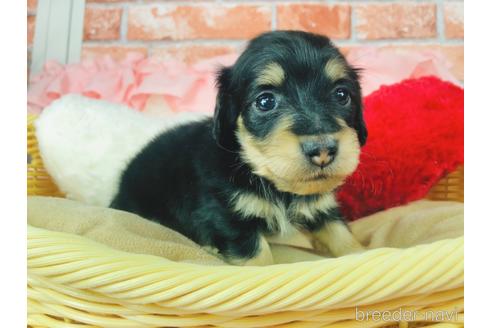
(272, 74)
(335, 69)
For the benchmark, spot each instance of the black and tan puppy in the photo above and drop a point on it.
(287, 131)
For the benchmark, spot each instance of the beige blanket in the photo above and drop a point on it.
(417, 223)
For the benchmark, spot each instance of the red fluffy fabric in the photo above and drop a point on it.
(415, 138)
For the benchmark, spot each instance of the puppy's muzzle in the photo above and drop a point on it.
(320, 152)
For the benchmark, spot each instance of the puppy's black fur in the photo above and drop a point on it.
(186, 177)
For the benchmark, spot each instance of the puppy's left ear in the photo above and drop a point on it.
(360, 126)
(359, 123)
(225, 114)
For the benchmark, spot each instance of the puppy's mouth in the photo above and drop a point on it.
(322, 175)
(317, 177)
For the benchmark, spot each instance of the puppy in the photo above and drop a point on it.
(286, 132)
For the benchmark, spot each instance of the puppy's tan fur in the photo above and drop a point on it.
(308, 210)
(274, 213)
(334, 236)
(335, 69)
(272, 74)
(279, 159)
(277, 215)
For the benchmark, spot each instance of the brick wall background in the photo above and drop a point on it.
(192, 30)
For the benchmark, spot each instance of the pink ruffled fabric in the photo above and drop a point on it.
(136, 79)
(131, 82)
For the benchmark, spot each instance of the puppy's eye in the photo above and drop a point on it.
(342, 96)
(266, 101)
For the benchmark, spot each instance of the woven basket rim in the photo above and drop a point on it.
(66, 251)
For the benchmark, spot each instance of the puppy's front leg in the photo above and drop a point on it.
(263, 255)
(249, 250)
(334, 234)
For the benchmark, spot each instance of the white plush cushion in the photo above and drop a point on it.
(85, 144)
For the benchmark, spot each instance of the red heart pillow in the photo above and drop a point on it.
(415, 138)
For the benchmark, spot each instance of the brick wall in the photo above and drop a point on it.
(192, 30)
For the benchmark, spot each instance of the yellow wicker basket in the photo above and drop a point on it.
(76, 282)
(38, 181)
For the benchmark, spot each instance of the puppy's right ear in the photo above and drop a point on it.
(226, 114)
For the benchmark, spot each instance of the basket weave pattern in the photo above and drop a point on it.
(38, 181)
(450, 187)
(76, 282)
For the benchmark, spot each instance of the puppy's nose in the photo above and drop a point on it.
(320, 153)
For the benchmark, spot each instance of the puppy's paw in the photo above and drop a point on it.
(263, 256)
(336, 239)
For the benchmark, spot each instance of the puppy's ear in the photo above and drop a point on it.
(360, 126)
(359, 123)
(226, 114)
